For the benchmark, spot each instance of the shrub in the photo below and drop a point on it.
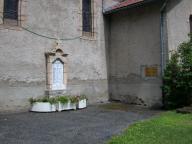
(63, 99)
(81, 97)
(53, 100)
(177, 80)
(44, 99)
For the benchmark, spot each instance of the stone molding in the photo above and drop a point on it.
(51, 56)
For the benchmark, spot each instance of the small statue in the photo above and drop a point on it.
(58, 44)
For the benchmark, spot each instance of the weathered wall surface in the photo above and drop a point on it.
(178, 12)
(109, 3)
(134, 42)
(22, 57)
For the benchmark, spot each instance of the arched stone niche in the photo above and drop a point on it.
(56, 67)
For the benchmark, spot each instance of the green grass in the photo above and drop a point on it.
(168, 128)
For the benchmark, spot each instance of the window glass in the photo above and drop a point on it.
(11, 9)
(87, 16)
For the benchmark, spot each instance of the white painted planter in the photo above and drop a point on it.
(43, 107)
(73, 106)
(82, 104)
(67, 106)
(62, 106)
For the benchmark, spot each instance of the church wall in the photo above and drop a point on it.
(22, 57)
(178, 24)
(134, 49)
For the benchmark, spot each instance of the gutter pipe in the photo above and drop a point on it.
(162, 11)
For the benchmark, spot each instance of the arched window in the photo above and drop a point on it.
(87, 16)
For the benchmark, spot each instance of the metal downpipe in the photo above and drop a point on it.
(162, 11)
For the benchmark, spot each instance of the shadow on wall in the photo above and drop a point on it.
(172, 4)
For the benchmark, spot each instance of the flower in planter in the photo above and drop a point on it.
(81, 97)
(34, 100)
(74, 99)
(44, 99)
(66, 103)
(44, 104)
(31, 100)
(63, 99)
(82, 102)
(52, 100)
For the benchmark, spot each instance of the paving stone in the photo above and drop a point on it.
(93, 125)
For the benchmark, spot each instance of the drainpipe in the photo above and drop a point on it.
(162, 11)
(103, 6)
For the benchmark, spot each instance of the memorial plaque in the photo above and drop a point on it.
(151, 72)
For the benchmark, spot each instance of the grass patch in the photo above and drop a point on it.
(168, 128)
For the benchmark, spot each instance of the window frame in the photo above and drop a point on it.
(13, 24)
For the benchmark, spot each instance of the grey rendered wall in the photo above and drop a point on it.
(178, 12)
(22, 56)
(134, 42)
(109, 3)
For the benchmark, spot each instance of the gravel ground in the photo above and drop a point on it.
(93, 125)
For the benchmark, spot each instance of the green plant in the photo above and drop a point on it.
(43, 99)
(167, 128)
(63, 99)
(53, 100)
(82, 97)
(74, 99)
(177, 80)
(31, 100)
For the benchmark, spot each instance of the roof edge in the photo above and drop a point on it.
(138, 3)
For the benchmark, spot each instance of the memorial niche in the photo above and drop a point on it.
(56, 66)
(58, 75)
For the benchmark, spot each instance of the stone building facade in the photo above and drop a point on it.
(24, 68)
(142, 34)
(48, 49)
